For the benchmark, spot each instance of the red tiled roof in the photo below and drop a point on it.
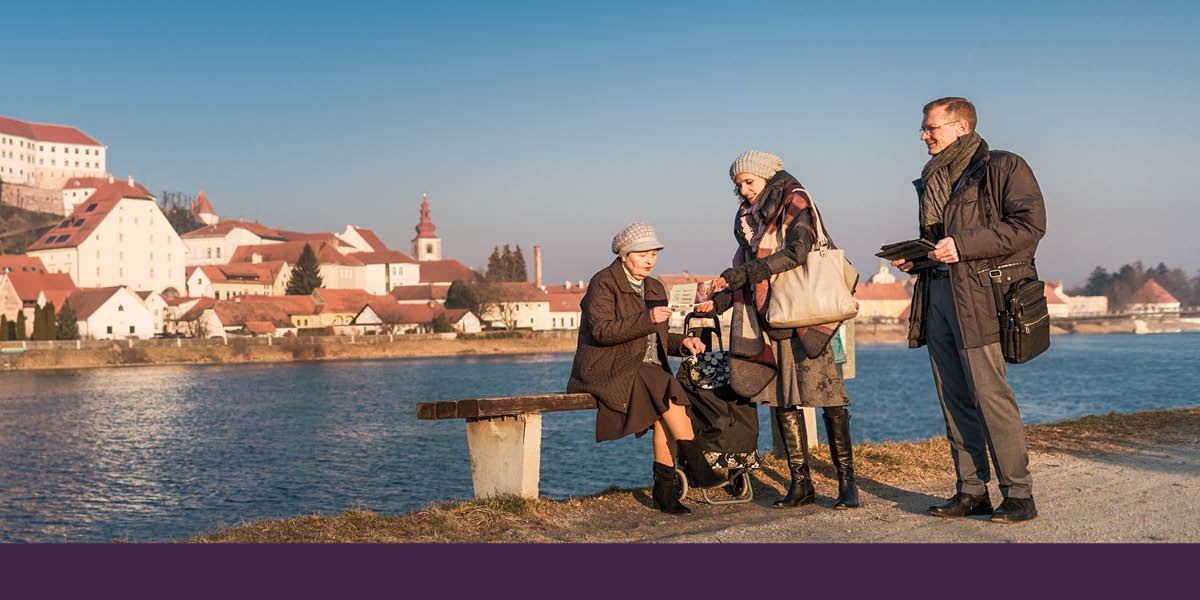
(420, 292)
(882, 291)
(384, 257)
(262, 273)
(85, 301)
(232, 313)
(1152, 293)
(21, 262)
(221, 229)
(289, 252)
(45, 132)
(446, 271)
(202, 206)
(396, 313)
(372, 240)
(292, 305)
(1052, 296)
(260, 327)
(198, 309)
(29, 284)
(565, 301)
(89, 183)
(344, 301)
(76, 228)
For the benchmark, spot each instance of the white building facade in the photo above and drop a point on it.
(119, 236)
(45, 155)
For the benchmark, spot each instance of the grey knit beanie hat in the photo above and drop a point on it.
(754, 162)
(636, 237)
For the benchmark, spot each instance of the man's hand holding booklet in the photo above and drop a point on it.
(914, 251)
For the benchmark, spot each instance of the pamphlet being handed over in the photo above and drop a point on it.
(686, 296)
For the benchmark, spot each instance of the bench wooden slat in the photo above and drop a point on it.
(503, 406)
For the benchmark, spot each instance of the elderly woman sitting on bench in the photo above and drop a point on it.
(621, 359)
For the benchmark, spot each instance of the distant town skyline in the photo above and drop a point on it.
(539, 124)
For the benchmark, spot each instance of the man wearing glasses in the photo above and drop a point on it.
(984, 211)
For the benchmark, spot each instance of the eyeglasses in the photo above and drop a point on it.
(930, 130)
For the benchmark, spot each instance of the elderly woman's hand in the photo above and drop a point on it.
(693, 345)
(658, 314)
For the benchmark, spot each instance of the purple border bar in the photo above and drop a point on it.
(734, 571)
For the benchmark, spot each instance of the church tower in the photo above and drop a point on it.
(427, 245)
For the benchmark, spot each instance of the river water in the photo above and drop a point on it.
(165, 453)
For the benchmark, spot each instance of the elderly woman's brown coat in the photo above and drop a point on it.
(612, 336)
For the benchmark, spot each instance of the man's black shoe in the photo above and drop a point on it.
(1015, 510)
(963, 505)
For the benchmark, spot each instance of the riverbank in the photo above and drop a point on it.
(1101, 479)
(260, 350)
(238, 350)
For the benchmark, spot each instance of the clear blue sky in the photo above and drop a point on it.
(555, 124)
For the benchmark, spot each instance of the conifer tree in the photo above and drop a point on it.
(495, 266)
(49, 326)
(306, 275)
(66, 327)
(39, 323)
(21, 335)
(5, 334)
(519, 271)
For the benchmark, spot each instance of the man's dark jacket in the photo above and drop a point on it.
(996, 217)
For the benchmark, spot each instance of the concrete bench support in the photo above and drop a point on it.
(506, 455)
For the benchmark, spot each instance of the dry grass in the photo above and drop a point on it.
(513, 520)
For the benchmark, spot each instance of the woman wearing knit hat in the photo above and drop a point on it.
(772, 201)
(621, 359)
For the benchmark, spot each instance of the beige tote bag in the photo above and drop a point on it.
(818, 292)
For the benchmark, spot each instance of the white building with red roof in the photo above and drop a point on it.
(23, 291)
(111, 313)
(118, 236)
(395, 318)
(445, 272)
(565, 312)
(238, 279)
(214, 244)
(516, 305)
(45, 155)
(1152, 298)
(420, 294)
(387, 269)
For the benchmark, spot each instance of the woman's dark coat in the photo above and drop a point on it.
(612, 336)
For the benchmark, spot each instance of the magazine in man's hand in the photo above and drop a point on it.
(915, 251)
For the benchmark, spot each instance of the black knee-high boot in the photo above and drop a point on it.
(665, 494)
(795, 444)
(841, 452)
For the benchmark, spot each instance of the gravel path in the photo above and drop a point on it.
(1145, 494)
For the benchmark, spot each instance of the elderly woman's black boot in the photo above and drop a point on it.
(841, 452)
(795, 444)
(700, 474)
(666, 493)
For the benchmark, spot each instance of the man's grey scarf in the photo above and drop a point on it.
(940, 174)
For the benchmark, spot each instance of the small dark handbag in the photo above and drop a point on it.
(707, 370)
(1024, 318)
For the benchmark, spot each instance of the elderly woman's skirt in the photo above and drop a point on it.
(654, 389)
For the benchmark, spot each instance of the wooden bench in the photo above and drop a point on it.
(504, 437)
